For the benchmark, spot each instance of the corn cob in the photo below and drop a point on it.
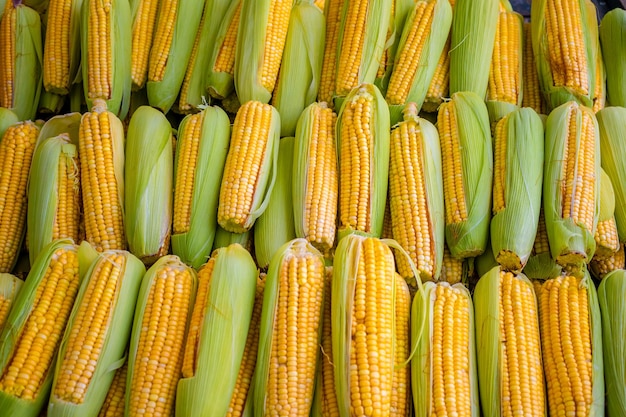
(386, 62)
(332, 15)
(363, 155)
(607, 241)
(160, 325)
(360, 43)
(53, 193)
(148, 179)
(422, 43)
(472, 44)
(443, 369)
(401, 379)
(32, 333)
(571, 344)
(612, 39)
(531, 96)
(201, 149)
(571, 183)
(114, 403)
(510, 371)
(599, 87)
(613, 151)
(438, 88)
(260, 44)
(326, 393)
(600, 267)
(101, 144)
(467, 161)
(16, 150)
(175, 30)
(453, 270)
(21, 57)
(415, 184)
(565, 50)
(275, 226)
(254, 147)
(315, 176)
(299, 75)
(217, 335)
(221, 66)
(243, 387)
(504, 90)
(106, 54)
(98, 329)
(290, 331)
(10, 286)
(387, 226)
(144, 17)
(518, 174)
(363, 339)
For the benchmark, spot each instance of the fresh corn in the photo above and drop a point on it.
(467, 163)
(571, 181)
(174, 33)
(32, 333)
(600, 267)
(101, 146)
(565, 50)
(144, 17)
(517, 185)
(443, 369)
(290, 331)
(472, 44)
(21, 57)
(299, 75)
(332, 15)
(510, 370)
(415, 197)
(607, 240)
(531, 96)
(422, 43)
(16, 151)
(106, 54)
(114, 403)
(10, 286)
(260, 43)
(571, 344)
(160, 326)
(96, 336)
(254, 148)
(363, 155)
(326, 393)
(363, 317)
(148, 179)
(216, 341)
(275, 226)
(401, 379)
(315, 176)
(453, 270)
(612, 40)
(599, 85)
(201, 149)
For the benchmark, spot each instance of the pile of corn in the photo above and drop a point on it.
(350, 208)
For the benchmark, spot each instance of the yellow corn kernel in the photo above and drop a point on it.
(599, 85)
(275, 41)
(439, 85)
(607, 241)
(10, 286)
(56, 68)
(401, 382)
(99, 60)
(454, 188)
(67, 219)
(504, 75)
(541, 239)
(332, 13)
(8, 24)
(452, 268)
(499, 167)
(349, 57)
(329, 395)
(142, 33)
(114, 403)
(163, 35)
(16, 151)
(602, 266)
(225, 61)
(532, 93)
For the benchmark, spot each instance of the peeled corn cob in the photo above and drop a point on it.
(401, 404)
(600, 267)
(332, 15)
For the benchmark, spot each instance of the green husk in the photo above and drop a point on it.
(220, 84)
(606, 214)
(163, 93)
(120, 22)
(469, 238)
(43, 189)
(556, 95)
(427, 57)
(149, 175)
(471, 46)
(223, 334)
(611, 121)
(149, 280)
(570, 243)
(421, 373)
(485, 262)
(374, 40)
(379, 157)
(7, 118)
(68, 124)
(514, 227)
(491, 341)
(10, 286)
(50, 103)
(194, 246)
(301, 66)
(297, 249)
(612, 39)
(118, 327)
(275, 226)
(224, 238)
(26, 83)
(18, 316)
(541, 265)
(611, 296)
